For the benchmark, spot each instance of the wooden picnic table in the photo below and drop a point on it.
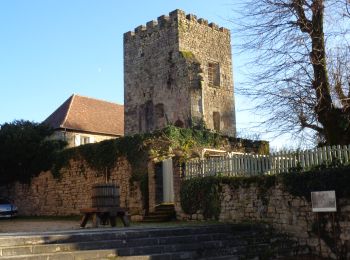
(104, 215)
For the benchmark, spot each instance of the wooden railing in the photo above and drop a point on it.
(275, 163)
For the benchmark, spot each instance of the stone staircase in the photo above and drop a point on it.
(162, 213)
(215, 242)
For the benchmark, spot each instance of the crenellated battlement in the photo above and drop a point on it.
(168, 20)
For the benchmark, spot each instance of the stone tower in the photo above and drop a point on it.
(178, 70)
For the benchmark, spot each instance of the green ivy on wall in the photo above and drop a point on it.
(204, 195)
(137, 149)
(201, 194)
(320, 178)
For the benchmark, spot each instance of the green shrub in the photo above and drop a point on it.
(201, 194)
(301, 184)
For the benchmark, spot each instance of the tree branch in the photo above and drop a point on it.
(304, 24)
(305, 124)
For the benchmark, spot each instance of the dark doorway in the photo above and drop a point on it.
(179, 123)
(159, 115)
(146, 117)
(216, 120)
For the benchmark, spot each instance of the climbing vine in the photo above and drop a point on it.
(202, 194)
(138, 148)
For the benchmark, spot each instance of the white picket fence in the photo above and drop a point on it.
(275, 163)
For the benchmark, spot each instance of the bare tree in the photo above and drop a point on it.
(301, 59)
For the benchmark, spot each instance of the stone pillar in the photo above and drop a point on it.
(151, 186)
(177, 170)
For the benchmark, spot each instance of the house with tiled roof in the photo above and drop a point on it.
(81, 120)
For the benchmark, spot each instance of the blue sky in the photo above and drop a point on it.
(50, 49)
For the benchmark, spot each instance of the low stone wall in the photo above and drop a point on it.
(287, 214)
(66, 195)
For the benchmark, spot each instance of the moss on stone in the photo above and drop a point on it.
(188, 55)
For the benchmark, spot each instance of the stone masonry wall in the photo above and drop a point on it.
(166, 75)
(209, 43)
(150, 93)
(64, 196)
(286, 213)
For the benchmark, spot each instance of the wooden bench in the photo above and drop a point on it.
(104, 215)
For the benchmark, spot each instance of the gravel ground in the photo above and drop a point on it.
(42, 224)
(36, 225)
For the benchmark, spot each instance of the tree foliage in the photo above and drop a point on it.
(301, 58)
(25, 150)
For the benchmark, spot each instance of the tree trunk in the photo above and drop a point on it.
(334, 120)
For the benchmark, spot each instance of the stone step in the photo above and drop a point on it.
(113, 234)
(185, 251)
(107, 244)
(165, 206)
(254, 251)
(173, 248)
(166, 256)
(160, 213)
(226, 257)
(156, 219)
(176, 255)
(76, 255)
(196, 242)
(165, 209)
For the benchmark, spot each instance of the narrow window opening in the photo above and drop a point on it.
(214, 74)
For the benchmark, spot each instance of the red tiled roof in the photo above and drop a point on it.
(89, 115)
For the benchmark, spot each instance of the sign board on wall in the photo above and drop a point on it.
(323, 201)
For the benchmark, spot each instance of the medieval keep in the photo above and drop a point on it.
(178, 70)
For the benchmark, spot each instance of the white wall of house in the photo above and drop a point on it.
(78, 138)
